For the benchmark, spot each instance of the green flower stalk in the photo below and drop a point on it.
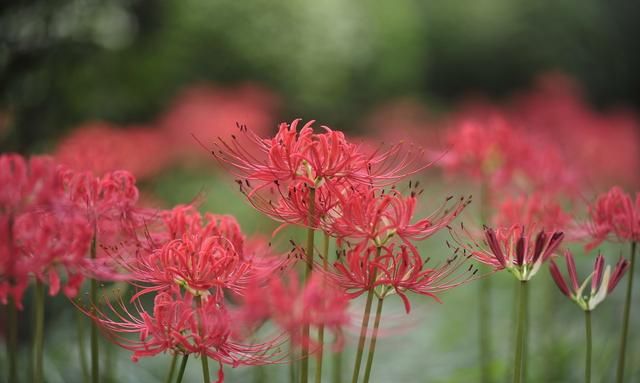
(603, 281)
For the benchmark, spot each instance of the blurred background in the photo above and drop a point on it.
(127, 84)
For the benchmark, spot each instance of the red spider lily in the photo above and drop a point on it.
(203, 256)
(482, 149)
(207, 112)
(516, 249)
(614, 215)
(486, 144)
(292, 206)
(392, 270)
(179, 325)
(28, 186)
(314, 158)
(107, 202)
(373, 215)
(186, 220)
(556, 108)
(100, 148)
(603, 281)
(536, 208)
(49, 245)
(27, 183)
(293, 306)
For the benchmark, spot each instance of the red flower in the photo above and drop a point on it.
(291, 205)
(614, 215)
(602, 281)
(516, 249)
(314, 158)
(390, 270)
(28, 187)
(528, 210)
(203, 256)
(99, 147)
(293, 306)
(376, 216)
(178, 325)
(51, 245)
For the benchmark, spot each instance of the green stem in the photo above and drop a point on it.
(337, 355)
(38, 333)
(484, 338)
(587, 366)
(83, 356)
(337, 367)
(525, 344)
(484, 300)
(261, 374)
(319, 355)
(183, 364)
(205, 368)
(625, 320)
(12, 339)
(520, 338)
(374, 338)
(93, 296)
(365, 325)
(292, 363)
(304, 362)
(172, 368)
(203, 357)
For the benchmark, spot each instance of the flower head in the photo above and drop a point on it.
(379, 217)
(516, 249)
(179, 324)
(396, 270)
(614, 215)
(532, 209)
(603, 281)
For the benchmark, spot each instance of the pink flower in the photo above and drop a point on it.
(603, 281)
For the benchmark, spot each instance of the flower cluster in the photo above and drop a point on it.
(50, 216)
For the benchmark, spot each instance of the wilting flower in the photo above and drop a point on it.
(603, 281)
(396, 270)
(516, 249)
(614, 215)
